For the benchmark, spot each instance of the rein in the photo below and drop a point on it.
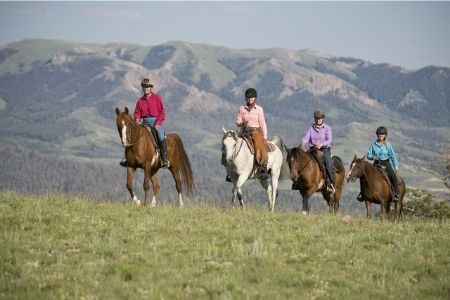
(235, 154)
(132, 128)
(304, 167)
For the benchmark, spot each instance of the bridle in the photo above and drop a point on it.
(235, 153)
(304, 167)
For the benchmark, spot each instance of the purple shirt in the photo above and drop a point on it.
(318, 135)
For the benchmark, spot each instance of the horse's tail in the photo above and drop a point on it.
(185, 167)
(284, 173)
(338, 164)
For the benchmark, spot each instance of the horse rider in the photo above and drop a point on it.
(251, 119)
(320, 137)
(383, 153)
(150, 111)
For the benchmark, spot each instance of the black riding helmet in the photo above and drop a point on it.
(381, 130)
(250, 93)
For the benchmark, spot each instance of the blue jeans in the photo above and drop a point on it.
(152, 121)
(328, 164)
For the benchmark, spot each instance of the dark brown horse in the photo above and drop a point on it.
(140, 152)
(375, 187)
(309, 177)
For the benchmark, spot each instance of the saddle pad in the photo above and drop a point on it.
(268, 145)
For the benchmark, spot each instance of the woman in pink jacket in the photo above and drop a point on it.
(251, 119)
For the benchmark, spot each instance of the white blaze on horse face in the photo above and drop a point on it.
(124, 134)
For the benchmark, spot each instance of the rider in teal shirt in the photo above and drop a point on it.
(383, 152)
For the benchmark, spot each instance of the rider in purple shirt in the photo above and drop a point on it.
(320, 137)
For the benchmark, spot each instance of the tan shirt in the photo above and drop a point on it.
(254, 118)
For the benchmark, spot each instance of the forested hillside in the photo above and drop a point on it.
(57, 101)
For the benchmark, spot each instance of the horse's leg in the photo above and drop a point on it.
(240, 182)
(146, 184)
(175, 170)
(130, 176)
(275, 175)
(369, 209)
(383, 210)
(306, 195)
(155, 185)
(269, 189)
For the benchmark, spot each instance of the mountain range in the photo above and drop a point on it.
(57, 118)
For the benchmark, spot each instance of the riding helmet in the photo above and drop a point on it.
(319, 114)
(146, 82)
(381, 130)
(250, 93)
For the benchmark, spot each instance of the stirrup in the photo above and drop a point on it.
(165, 164)
(330, 188)
(263, 174)
(228, 178)
(360, 198)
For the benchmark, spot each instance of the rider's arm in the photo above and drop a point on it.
(392, 156)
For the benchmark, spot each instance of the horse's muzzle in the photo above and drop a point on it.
(349, 178)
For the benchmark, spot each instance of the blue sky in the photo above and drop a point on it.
(407, 34)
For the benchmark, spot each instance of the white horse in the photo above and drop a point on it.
(239, 162)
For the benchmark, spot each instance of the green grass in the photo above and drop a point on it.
(57, 246)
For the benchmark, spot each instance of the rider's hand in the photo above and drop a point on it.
(157, 127)
(319, 146)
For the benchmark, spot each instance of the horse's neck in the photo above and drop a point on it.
(306, 158)
(369, 170)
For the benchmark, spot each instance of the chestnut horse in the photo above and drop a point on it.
(140, 152)
(309, 177)
(375, 187)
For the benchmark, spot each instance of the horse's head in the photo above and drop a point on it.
(293, 159)
(356, 169)
(123, 121)
(229, 140)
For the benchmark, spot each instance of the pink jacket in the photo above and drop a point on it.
(254, 118)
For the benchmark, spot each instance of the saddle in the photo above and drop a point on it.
(155, 139)
(246, 135)
(383, 172)
(318, 156)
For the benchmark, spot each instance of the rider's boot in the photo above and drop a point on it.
(360, 198)
(263, 174)
(124, 163)
(228, 178)
(165, 162)
(396, 196)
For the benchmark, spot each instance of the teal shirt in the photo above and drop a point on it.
(383, 152)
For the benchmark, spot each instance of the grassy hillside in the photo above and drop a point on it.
(59, 247)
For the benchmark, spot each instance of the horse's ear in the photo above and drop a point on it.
(224, 130)
(364, 157)
(126, 110)
(355, 157)
(117, 111)
(286, 148)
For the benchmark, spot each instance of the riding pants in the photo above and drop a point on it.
(329, 164)
(152, 122)
(261, 155)
(391, 173)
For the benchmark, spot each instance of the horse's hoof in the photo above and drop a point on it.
(304, 213)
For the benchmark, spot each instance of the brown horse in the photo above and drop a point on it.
(140, 152)
(309, 177)
(375, 187)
